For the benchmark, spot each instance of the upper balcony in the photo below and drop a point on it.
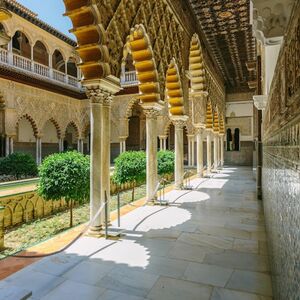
(22, 63)
(129, 78)
(37, 61)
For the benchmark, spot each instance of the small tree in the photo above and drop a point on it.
(18, 164)
(165, 162)
(130, 166)
(65, 175)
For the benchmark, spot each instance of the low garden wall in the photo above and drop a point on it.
(25, 207)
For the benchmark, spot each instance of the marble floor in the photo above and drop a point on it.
(209, 243)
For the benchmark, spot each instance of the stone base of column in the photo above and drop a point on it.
(95, 231)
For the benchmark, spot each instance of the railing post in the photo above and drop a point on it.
(1, 227)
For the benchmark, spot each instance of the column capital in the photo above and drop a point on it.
(98, 95)
(179, 121)
(123, 138)
(151, 112)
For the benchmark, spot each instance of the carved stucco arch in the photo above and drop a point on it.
(36, 130)
(209, 115)
(56, 124)
(25, 32)
(92, 41)
(174, 90)
(216, 121)
(73, 124)
(197, 66)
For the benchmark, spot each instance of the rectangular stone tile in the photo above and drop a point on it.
(157, 247)
(207, 274)
(113, 295)
(238, 260)
(226, 294)
(252, 282)
(71, 290)
(188, 252)
(168, 267)
(58, 264)
(128, 281)
(39, 283)
(173, 289)
(167, 234)
(89, 272)
(245, 246)
(199, 239)
(11, 292)
(227, 232)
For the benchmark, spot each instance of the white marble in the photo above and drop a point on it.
(207, 244)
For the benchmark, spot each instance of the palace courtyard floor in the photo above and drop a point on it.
(209, 243)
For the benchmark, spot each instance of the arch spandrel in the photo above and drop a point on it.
(174, 90)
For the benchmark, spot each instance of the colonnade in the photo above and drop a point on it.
(38, 146)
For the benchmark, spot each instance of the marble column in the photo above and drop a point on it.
(105, 149)
(222, 150)
(216, 142)
(11, 142)
(179, 122)
(208, 152)
(94, 94)
(38, 150)
(193, 152)
(161, 143)
(200, 152)
(190, 141)
(151, 151)
(80, 145)
(7, 145)
(61, 145)
(122, 144)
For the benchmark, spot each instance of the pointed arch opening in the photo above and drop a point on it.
(71, 137)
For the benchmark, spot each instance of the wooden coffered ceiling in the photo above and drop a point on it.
(227, 30)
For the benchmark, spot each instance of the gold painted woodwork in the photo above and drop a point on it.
(174, 90)
(196, 66)
(216, 127)
(222, 126)
(209, 115)
(143, 59)
(91, 38)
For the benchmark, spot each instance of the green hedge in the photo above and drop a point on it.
(18, 165)
(166, 162)
(130, 166)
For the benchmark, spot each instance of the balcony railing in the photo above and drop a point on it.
(25, 64)
(129, 79)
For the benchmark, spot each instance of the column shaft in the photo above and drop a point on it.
(222, 150)
(96, 163)
(208, 140)
(193, 152)
(105, 151)
(215, 151)
(151, 151)
(179, 164)
(7, 145)
(38, 150)
(189, 152)
(199, 154)
(11, 145)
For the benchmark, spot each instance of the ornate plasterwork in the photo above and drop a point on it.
(283, 99)
(39, 106)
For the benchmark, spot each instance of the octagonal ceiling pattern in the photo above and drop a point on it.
(227, 29)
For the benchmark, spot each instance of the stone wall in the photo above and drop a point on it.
(281, 166)
(244, 157)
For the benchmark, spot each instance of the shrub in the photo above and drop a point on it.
(65, 175)
(130, 166)
(166, 161)
(18, 164)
